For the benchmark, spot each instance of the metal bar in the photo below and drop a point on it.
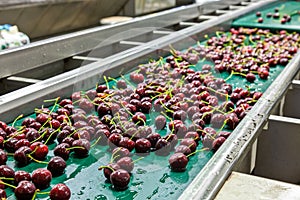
(222, 11)
(206, 17)
(162, 32)
(131, 43)
(245, 3)
(188, 23)
(22, 79)
(235, 7)
(86, 58)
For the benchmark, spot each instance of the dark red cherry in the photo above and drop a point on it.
(126, 163)
(183, 149)
(217, 143)
(25, 190)
(120, 152)
(163, 147)
(142, 145)
(6, 171)
(82, 147)
(108, 169)
(60, 192)
(153, 138)
(62, 151)
(127, 143)
(189, 142)
(21, 176)
(56, 165)
(41, 178)
(21, 155)
(3, 194)
(40, 150)
(178, 162)
(120, 179)
(3, 157)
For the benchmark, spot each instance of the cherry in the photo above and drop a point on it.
(2, 194)
(21, 155)
(142, 145)
(258, 14)
(160, 122)
(126, 163)
(25, 190)
(35, 125)
(162, 147)
(21, 176)
(3, 125)
(194, 135)
(6, 171)
(49, 134)
(32, 134)
(43, 118)
(250, 77)
(178, 162)
(62, 151)
(232, 120)
(120, 179)
(56, 165)
(183, 149)
(139, 118)
(41, 178)
(136, 77)
(189, 142)
(146, 106)
(68, 140)
(218, 142)
(121, 84)
(27, 121)
(3, 157)
(114, 140)
(82, 147)
(64, 102)
(260, 20)
(153, 138)
(40, 150)
(108, 169)
(60, 192)
(179, 115)
(217, 120)
(127, 143)
(120, 152)
(10, 145)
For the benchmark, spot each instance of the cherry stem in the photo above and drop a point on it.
(51, 135)
(198, 151)
(35, 160)
(43, 193)
(5, 178)
(114, 157)
(35, 193)
(128, 82)
(75, 147)
(106, 82)
(7, 184)
(54, 106)
(20, 116)
(103, 166)
(96, 141)
(137, 159)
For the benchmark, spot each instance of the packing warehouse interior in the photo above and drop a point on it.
(149, 99)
